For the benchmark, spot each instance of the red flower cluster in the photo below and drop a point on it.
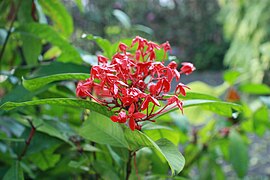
(132, 84)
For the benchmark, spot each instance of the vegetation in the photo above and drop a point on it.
(47, 132)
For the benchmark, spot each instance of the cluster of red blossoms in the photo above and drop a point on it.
(132, 84)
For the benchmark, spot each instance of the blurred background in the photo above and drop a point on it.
(228, 42)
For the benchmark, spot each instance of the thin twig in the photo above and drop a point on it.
(9, 33)
(28, 141)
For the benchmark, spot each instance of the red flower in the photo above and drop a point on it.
(132, 80)
(187, 68)
(180, 89)
(174, 99)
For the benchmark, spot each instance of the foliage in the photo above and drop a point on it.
(246, 25)
(46, 132)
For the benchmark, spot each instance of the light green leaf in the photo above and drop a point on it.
(101, 129)
(219, 107)
(62, 20)
(238, 153)
(231, 76)
(255, 89)
(261, 120)
(15, 172)
(53, 52)
(45, 32)
(143, 28)
(122, 18)
(79, 103)
(36, 83)
(194, 95)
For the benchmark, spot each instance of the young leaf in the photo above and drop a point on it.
(36, 83)
(79, 103)
(101, 129)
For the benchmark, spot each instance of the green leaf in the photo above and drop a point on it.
(45, 159)
(106, 170)
(62, 20)
(231, 76)
(122, 18)
(18, 93)
(59, 68)
(52, 53)
(194, 95)
(72, 102)
(52, 128)
(15, 172)
(168, 150)
(31, 48)
(255, 89)
(104, 44)
(101, 129)
(219, 107)
(36, 83)
(238, 153)
(261, 120)
(43, 31)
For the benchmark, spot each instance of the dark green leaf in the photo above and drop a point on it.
(18, 93)
(238, 153)
(31, 48)
(34, 84)
(62, 20)
(79, 103)
(106, 170)
(101, 129)
(24, 13)
(15, 172)
(59, 68)
(45, 159)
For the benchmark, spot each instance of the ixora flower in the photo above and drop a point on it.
(132, 84)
